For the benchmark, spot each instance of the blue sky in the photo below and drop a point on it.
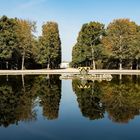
(70, 15)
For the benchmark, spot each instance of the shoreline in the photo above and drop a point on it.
(67, 71)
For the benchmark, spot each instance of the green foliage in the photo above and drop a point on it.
(16, 39)
(49, 50)
(121, 40)
(8, 38)
(116, 46)
(89, 38)
(25, 44)
(18, 44)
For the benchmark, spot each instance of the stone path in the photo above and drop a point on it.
(67, 71)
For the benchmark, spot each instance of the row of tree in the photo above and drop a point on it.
(116, 46)
(20, 49)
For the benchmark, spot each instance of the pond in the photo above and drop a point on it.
(46, 108)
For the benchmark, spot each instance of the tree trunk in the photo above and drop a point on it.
(23, 82)
(120, 42)
(93, 63)
(7, 65)
(120, 77)
(137, 67)
(23, 60)
(120, 64)
(48, 65)
(48, 76)
(131, 67)
(7, 78)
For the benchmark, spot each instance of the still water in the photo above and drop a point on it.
(46, 108)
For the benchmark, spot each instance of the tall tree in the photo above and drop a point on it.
(135, 48)
(89, 37)
(7, 37)
(50, 46)
(120, 34)
(25, 38)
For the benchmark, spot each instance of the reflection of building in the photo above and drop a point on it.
(64, 65)
(83, 85)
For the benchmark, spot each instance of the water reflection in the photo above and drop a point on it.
(20, 95)
(15, 103)
(49, 92)
(18, 100)
(122, 98)
(119, 98)
(89, 99)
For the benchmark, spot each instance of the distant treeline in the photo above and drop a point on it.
(20, 49)
(117, 46)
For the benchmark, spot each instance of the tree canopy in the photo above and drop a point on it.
(117, 46)
(88, 39)
(120, 39)
(8, 37)
(20, 47)
(50, 46)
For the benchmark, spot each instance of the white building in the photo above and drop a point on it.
(65, 65)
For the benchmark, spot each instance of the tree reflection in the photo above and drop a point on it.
(15, 104)
(49, 91)
(89, 99)
(122, 99)
(18, 101)
(119, 98)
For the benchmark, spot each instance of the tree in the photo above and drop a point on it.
(8, 38)
(50, 46)
(120, 35)
(89, 37)
(135, 48)
(25, 38)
